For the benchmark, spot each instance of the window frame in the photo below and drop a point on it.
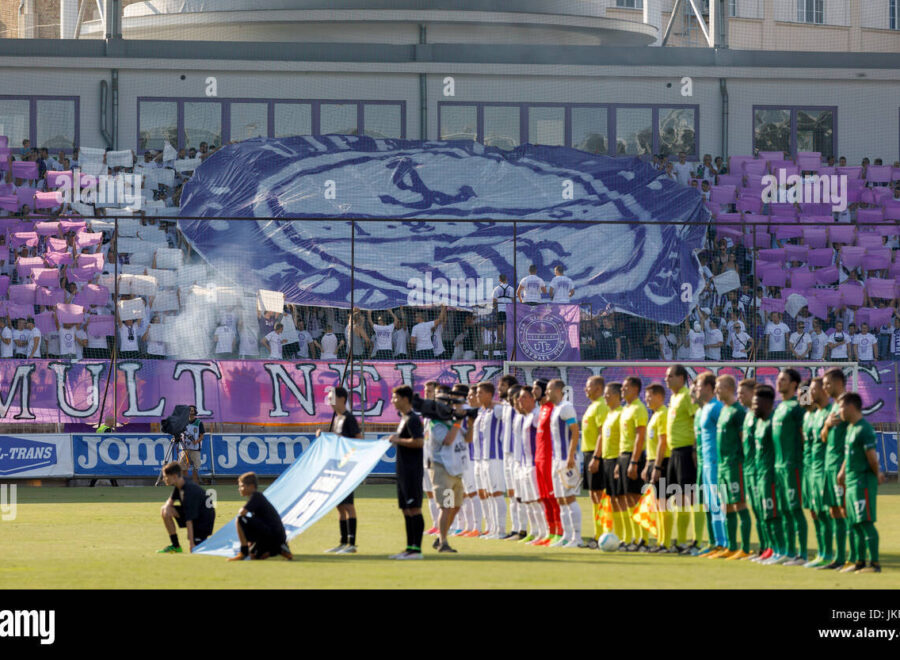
(315, 113)
(803, 12)
(635, 4)
(794, 109)
(610, 119)
(32, 118)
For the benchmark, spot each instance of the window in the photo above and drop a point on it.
(458, 122)
(501, 126)
(382, 120)
(249, 120)
(893, 23)
(202, 123)
(630, 4)
(676, 128)
(547, 125)
(590, 130)
(732, 8)
(46, 121)
(633, 129)
(292, 119)
(795, 129)
(188, 122)
(811, 11)
(338, 118)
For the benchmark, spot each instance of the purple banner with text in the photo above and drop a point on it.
(543, 333)
(230, 391)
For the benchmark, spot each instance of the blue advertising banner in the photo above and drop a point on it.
(271, 454)
(27, 456)
(887, 452)
(127, 454)
(144, 454)
(329, 470)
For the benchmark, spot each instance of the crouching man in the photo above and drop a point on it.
(259, 526)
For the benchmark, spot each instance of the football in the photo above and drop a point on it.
(609, 542)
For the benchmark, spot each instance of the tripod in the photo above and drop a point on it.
(170, 453)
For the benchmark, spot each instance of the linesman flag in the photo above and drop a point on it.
(606, 516)
(645, 513)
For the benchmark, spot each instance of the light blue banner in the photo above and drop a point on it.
(317, 482)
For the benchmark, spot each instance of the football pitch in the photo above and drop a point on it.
(108, 537)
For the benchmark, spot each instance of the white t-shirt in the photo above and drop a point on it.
(34, 334)
(840, 340)
(21, 339)
(504, 294)
(400, 337)
(667, 343)
(683, 172)
(437, 340)
(819, 341)
(739, 343)
(422, 333)
(697, 341)
(6, 350)
(304, 339)
(276, 341)
(532, 285)
(126, 344)
(68, 344)
(329, 343)
(864, 345)
(777, 335)
(800, 343)
(53, 343)
(224, 339)
(561, 286)
(289, 329)
(714, 337)
(249, 344)
(383, 335)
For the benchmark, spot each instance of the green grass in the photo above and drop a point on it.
(108, 537)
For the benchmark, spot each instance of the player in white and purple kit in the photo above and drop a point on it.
(567, 464)
(489, 432)
(526, 478)
(518, 523)
(470, 514)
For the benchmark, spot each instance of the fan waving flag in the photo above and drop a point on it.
(626, 235)
(317, 482)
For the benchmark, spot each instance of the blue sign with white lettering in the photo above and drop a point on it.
(129, 454)
(331, 468)
(18, 454)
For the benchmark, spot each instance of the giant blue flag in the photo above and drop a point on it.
(616, 224)
(317, 482)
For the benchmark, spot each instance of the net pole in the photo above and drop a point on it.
(115, 349)
(515, 303)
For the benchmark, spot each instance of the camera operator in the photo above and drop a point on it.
(448, 455)
(344, 423)
(194, 511)
(192, 440)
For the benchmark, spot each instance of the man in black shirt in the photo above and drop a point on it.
(608, 343)
(259, 526)
(193, 511)
(409, 438)
(344, 423)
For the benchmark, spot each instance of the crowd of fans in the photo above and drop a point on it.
(783, 281)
